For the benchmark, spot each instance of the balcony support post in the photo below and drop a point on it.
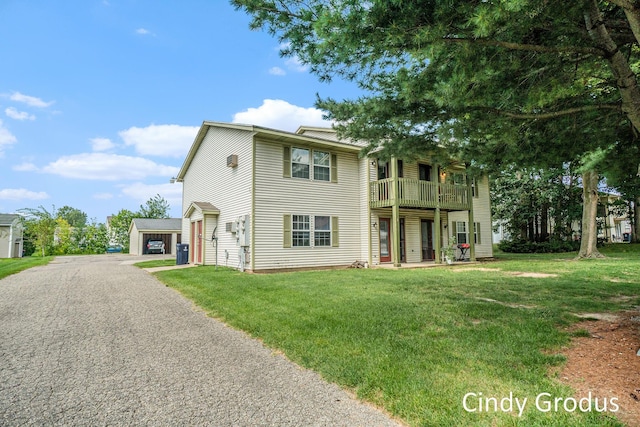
(395, 213)
(472, 224)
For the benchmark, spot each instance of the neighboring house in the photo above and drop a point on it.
(11, 239)
(142, 230)
(612, 226)
(262, 199)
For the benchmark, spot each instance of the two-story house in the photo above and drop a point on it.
(262, 199)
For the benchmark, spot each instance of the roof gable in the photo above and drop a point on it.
(155, 224)
(205, 208)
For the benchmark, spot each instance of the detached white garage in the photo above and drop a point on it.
(142, 230)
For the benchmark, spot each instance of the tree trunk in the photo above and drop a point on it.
(544, 223)
(589, 240)
(635, 234)
(621, 69)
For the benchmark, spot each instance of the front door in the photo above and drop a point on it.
(426, 227)
(403, 242)
(199, 242)
(385, 240)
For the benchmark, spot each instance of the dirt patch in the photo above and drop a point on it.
(506, 304)
(510, 273)
(528, 274)
(606, 363)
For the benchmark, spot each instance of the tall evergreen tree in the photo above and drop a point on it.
(525, 82)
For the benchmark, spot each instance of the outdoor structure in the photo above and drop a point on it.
(142, 230)
(11, 242)
(262, 199)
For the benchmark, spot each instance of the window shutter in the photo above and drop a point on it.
(454, 230)
(335, 241)
(286, 162)
(287, 231)
(334, 168)
(478, 240)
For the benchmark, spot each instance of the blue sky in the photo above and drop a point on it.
(100, 100)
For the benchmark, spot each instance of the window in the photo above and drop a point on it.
(300, 163)
(309, 164)
(461, 232)
(321, 166)
(322, 231)
(301, 233)
(298, 231)
(460, 229)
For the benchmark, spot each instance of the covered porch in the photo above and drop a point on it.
(409, 218)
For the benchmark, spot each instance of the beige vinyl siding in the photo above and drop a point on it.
(277, 196)
(208, 179)
(482, 215)
(365, 220)
(5, 242)
(329, 134)
(135, 247)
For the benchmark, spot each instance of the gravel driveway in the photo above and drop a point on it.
(92, 340)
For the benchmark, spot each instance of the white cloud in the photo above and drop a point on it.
(107, 167)
(143, 31)
(277, 71)
(25, 167)
(103, 196)
(6, 138)
(160, 140)
(18, 115)
(22, 194)
(141, 192)
(102, 144)
(31, 101)
(279, 114)
(295, 64)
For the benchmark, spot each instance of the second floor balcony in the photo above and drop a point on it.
(413, 193)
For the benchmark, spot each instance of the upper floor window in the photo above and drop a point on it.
(310, 164)
(321, 166)
(300, 162)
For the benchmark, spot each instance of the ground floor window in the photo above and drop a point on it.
(310, 231)
(322, 231)
(462, 234)
(301, 232)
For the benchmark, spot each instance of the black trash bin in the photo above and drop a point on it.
(182, 254)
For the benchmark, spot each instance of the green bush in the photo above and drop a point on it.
(527, 247)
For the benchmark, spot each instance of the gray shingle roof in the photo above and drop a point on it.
(169, 224)
(7, 219)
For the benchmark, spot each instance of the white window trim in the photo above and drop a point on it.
(311, 165)
(312, 231)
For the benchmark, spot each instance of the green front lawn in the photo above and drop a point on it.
(14, 265)
(417, 341)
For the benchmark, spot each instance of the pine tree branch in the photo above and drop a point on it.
(527, 47)
(554, 114)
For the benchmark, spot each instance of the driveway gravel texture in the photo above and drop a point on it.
(93, 340)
